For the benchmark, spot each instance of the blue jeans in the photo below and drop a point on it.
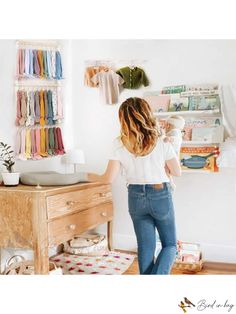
(150, 209)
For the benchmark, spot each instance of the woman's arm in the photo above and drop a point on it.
(109, 175)
(173, 167)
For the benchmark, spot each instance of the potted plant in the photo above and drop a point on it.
(10, 178)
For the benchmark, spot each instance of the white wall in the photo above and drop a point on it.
(204, 203)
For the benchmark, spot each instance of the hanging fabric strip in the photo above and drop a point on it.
(18, 107)
(22, 145)
(32, 106)
(51, 142)
(60, 142)
(33, 144)
(18, 143)
(28, 120)
(45, 99)
(43, 152)
(44, 64)
(23, 109)
(37, 107)
(42, 112)
(28, 144)
(36, 65)
(37, 141)
(50, 108)
(58, 75)
(26, 70)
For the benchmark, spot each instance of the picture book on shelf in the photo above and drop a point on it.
(212, 134)
(158, 102)
(175, 89)
(202, 87)
(199, 93)
(178, 103)
(192, 122)
(199, 158)
(204, 102)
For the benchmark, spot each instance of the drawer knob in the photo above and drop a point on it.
(104, 214)
(72, 227)
(70, 203)
(103, 194)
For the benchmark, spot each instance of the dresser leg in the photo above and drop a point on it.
(41, 261)
(109, 235)
(40, 236)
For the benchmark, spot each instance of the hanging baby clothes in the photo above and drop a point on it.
(133, 77)
(36, 107)
(108, 82)
(60, 142)
(43, 64)
(22, 145)
(39, 142)
(18, 107)
(28, 144)
(42, 107)
(90, 72)
(58, 75)
(36, 66)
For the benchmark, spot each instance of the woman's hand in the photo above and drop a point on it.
(109, 175)
(167, 170)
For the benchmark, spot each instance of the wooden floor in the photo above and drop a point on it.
(209, 268)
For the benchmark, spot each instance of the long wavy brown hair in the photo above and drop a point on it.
(139, 129)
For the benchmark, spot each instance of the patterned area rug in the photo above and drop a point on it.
(112, 263)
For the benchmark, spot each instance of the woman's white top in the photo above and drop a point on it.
(149, 169)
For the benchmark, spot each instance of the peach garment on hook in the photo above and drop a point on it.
(90, 72)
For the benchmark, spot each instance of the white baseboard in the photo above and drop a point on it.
(218, 253)
(210, 252)
(124, 242)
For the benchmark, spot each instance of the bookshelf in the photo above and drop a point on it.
(200, 106)
(195, 171)
(188, 113)
(184, 143)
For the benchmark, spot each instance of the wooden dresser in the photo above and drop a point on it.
(39, 218)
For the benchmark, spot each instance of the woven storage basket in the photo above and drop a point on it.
(189, 267)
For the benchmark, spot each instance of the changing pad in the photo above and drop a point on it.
(49, 178)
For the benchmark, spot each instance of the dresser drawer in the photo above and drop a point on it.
(66, 203)
(66, 227)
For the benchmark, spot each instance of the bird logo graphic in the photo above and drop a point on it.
(186, 304)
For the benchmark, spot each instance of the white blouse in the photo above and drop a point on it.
(149, 169)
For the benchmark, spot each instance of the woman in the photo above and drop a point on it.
(146, 160)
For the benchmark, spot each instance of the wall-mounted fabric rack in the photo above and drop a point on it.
(33, 83)
(38, 99)
(35, 44)
(108, 62)
(37, 87)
